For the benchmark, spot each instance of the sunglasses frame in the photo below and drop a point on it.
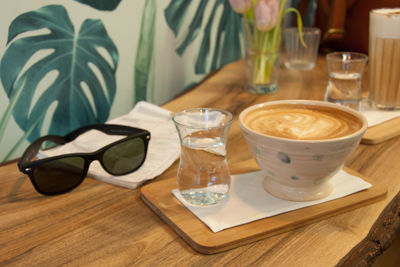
(26, 166)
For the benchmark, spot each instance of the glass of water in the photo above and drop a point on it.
(298, 56)
(345, 71)
(203, 175)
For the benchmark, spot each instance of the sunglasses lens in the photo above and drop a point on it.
(59, 175)
(124, 157)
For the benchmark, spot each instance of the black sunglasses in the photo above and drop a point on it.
(59, 174)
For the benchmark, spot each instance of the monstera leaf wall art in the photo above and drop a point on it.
(73, 55)
(214, 24)
(58, 68)
(206, 35)
(107, 5)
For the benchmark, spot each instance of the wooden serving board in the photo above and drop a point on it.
(159, 198)
(382, 132)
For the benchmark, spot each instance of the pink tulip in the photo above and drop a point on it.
(266, 14)
(240, 6)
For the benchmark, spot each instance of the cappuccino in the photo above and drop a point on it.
(302, 122)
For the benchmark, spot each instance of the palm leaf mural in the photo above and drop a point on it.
(74, 56)
(106, 5)
(144, 53)
(225, 49)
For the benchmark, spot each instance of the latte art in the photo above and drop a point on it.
(301, 122)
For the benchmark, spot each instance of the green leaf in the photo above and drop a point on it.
(22, 138)
(231, 48)
(144, 53)
(194, 27)
(204, 53)
(225, 46)
(299, 23)
(107, 5)
(71, 55)
(7, 113)
(175, 13)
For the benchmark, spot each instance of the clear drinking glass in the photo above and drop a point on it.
(203, 175)
(296, 55)
(345, 71)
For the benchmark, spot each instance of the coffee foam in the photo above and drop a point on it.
(301, 122)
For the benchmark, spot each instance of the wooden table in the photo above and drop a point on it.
(101, 224)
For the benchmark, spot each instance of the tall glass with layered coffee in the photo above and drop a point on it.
(384, 55)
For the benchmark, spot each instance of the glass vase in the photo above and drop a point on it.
(262, 72)
(262, 57)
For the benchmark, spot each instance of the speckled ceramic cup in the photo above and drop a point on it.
(301, 144)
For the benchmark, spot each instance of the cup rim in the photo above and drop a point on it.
(386, 11)
(305, 30)
(358, 114)
(224, 124)
(361, 57)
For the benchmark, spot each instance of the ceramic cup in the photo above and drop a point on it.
(301, 144)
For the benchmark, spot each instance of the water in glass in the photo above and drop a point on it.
(344, 88)
(203, 175)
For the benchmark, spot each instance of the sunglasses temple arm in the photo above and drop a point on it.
(34, 148)
(111, 129)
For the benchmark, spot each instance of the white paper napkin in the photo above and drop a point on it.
(248, 201)
(376, 116)
(164, 146)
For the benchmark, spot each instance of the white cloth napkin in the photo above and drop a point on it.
(163, 150)
(376, 116)
(248, 201)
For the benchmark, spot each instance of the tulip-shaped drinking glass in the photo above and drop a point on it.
(203, 176)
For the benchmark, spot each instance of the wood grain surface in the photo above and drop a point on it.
(99, 224)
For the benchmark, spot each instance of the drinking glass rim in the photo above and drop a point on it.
(360, 57)
(305, 30)
(225, 123)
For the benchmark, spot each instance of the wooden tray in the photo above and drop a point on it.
(159, 198)
(382, 132)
